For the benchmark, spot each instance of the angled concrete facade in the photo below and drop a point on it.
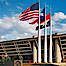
(27, 49)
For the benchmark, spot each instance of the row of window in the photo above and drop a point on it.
(63, 42)
(22, 42)
(63, 38)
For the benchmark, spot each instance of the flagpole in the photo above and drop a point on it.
(45, 44)
(39, 39)
(50, 48)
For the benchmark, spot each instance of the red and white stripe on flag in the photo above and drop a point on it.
(29, 15)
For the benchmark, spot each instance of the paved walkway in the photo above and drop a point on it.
(44, 64)
(60, 64)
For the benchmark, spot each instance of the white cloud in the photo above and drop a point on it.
(59, 16)
(19, 7)
(6, 3)
(2, 37)
(62, 29)
(58, 25)
(26, 34)
(12, 28)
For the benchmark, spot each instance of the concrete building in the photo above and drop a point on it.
(27, 49)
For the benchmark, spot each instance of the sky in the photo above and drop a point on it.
(11, 28)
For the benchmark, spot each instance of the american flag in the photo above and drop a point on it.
(42, 18)
(31, 12)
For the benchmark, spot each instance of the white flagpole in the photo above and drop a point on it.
(50, 48)
(39, 39)
(45, 44)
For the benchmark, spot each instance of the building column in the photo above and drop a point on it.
(57, 51)
(34, 53)
(50, 52)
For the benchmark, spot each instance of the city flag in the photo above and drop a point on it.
(43, 23)
(43, 26)
(31, 12)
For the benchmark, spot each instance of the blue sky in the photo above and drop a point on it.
(12, 28)
(8, 6)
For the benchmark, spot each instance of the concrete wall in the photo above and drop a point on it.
(57, 51)
(34, 53)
